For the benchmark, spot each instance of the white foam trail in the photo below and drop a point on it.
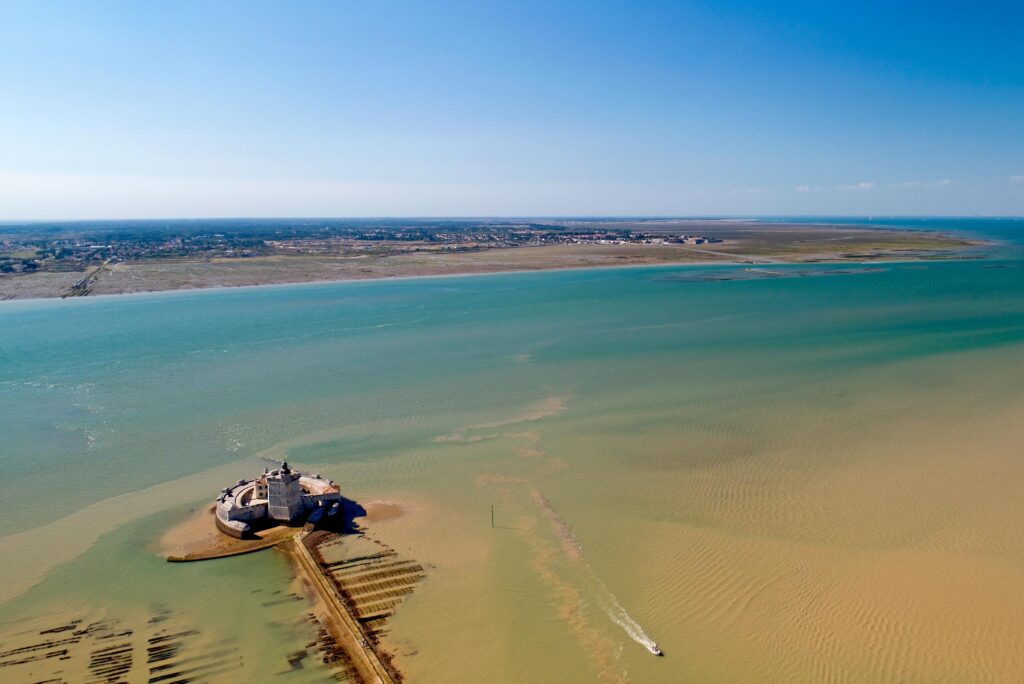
(611, 606)
(605, 598)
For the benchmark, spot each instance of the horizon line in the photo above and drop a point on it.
(506, 217)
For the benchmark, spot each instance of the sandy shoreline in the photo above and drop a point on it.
(212, 289)
(733, 244)
(220, 288)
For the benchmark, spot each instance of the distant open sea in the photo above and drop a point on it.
(786, 473)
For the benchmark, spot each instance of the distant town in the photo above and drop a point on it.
(75, 247)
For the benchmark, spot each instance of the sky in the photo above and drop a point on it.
(380, 108)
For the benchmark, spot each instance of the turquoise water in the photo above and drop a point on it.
(102, 397)
(126, 392)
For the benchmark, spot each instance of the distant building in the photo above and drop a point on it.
(278, 496)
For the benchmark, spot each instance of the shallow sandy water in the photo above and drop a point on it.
(805, 479)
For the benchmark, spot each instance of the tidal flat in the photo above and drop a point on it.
(774, 478)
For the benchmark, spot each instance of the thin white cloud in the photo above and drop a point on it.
(803, 188)
(945, 182)
(864, 185)
(1017, 180)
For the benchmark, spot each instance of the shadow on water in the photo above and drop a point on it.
(343, 522)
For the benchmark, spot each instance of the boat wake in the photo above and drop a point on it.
(617, 613)
(608, 602)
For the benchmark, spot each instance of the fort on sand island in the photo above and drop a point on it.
(283, 496)
(277, 497)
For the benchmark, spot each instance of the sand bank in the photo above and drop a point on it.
(30, 554)
(379, 511)
(197, 538)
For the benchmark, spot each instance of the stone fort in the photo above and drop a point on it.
(279, 496)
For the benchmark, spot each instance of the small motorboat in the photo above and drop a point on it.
(653, 648)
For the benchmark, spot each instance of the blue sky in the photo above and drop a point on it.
(146, 109)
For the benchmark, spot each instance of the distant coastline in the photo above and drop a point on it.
(211, 289)
(306, 260)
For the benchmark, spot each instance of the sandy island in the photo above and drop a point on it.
(197, 538)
